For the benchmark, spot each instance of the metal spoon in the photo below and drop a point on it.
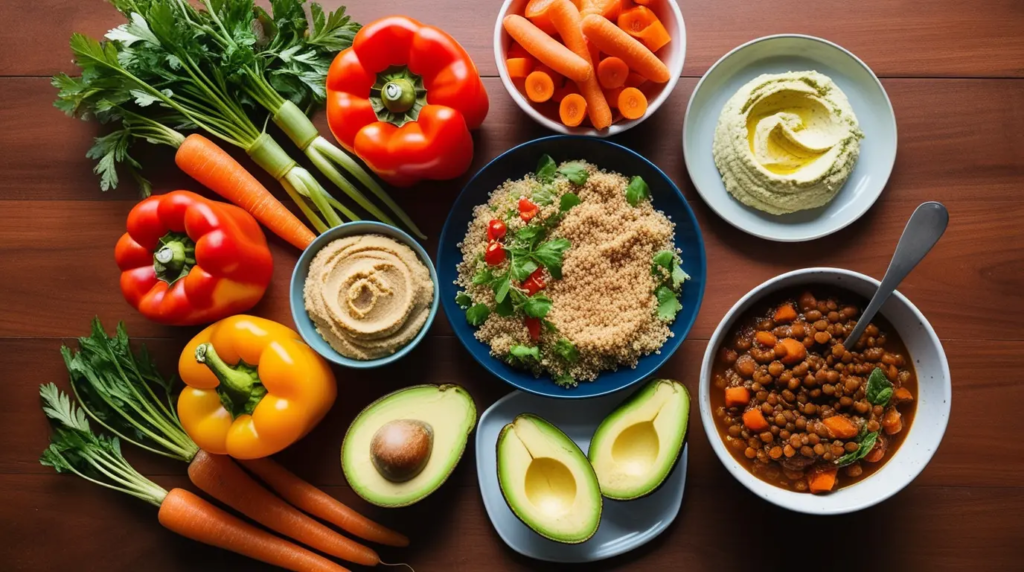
(923, 230)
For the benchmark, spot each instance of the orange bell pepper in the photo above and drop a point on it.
(253, 387)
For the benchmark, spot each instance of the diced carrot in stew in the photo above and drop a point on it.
(878, 451)
(841, 427)
(892, 421)
(735, 396)
(902, 395)
(793, 352)
(823, 480)
(785, 314)
(754, 420)
(766, 339)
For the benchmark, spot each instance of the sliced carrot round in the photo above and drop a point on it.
(572, 110)
(632, 103)
(612, 72)
(539, 87)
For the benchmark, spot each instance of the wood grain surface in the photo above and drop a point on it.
(955, 73)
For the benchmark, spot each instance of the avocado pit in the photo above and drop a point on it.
(401, 448)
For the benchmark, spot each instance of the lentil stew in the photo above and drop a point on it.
(799, 409)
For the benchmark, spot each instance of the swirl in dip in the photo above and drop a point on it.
(368, 295)
(787, 142)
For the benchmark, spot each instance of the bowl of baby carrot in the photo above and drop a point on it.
(589, 67)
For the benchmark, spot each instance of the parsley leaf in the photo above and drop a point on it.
(335, 32)
(543, 195)
(664, 259)
(564, 380)
(567, 350)
(522, 352)
(501, 286)
(568, 201)
(668, 305)
(477, 314)
(546, 168)
(637, 191)
(522, 267)
(537, 306)
(575, 171)
(463, 300)
(505, 308)
(678, 276)
(484, 276)
(528, 235)
(550, 255)
(879, 389)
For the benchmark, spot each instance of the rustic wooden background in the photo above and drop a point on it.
(955, 73)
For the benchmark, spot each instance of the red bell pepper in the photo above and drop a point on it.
(188, 260)
(403, 98)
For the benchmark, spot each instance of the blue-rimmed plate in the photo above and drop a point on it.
(514, 164)
(625, 525)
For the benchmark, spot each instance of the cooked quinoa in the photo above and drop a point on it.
(604, 303)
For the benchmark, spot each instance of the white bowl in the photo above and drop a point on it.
(780, 54)
(925, 433)
(673, 54)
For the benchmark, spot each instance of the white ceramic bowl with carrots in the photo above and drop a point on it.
(547, 113)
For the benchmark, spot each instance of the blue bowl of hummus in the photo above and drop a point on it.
(363, 294)
(600, 295)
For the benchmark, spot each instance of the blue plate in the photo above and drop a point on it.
(305, 325)
(515, 163)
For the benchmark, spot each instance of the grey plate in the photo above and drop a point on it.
(780, 54)
(624, 525)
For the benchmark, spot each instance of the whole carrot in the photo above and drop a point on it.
(320, 504)
(566, 19)
(207, 163)
(613, 41)
(192, 517)
(547, 49)
(222, 479)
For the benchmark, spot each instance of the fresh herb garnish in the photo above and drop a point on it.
(463, 300)
(537, 306)
(566, 350)
(522, 352)
(637, 191)
(505, 308)
(867, 443)
(879, 390)
(522, 266)
(501, 286)
(483, 276)
(668, 303)
(568, 201)
(543, 195)
(477, 314)
(546, 169)
(575, 171)
(550, 254)
(564, 380)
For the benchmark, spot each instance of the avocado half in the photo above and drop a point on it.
(636, 446)
(449, 413)
(547, 481)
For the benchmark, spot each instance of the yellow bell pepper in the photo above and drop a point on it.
(253, 387)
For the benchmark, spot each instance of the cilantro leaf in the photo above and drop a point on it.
(664, 259)
(505, 308)
(501, 286)
(568, 201)
(522, 352)
(537, 306)
(668, 304)
(575, 171)
(567, 350)
(528, 235)
(546, 169)
(463, 300)
(678, 276)
(477, 314)
(550, 255)
(637, 191)
(522, 267)
(484, 276)
(543, 195)
(564, 380)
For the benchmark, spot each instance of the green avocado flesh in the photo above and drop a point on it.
(547, 481)
(447, 410)
(636, 446)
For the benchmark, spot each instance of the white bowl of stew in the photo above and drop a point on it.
(772, 451)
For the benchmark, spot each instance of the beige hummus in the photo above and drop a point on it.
(787, 142)
(368, 295)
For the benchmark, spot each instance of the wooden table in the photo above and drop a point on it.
(955, 73)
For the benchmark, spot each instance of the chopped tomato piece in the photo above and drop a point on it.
(527, 210)
(495, 254)
(496, 230)
(535, 283)
(533, 326)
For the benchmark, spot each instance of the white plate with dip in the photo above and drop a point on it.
(625, 525)
(781, 54)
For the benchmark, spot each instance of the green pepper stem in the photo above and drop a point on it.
(236, 382)
(398, 95)
(175, 257)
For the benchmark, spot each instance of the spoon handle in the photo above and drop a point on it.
(923, 230)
